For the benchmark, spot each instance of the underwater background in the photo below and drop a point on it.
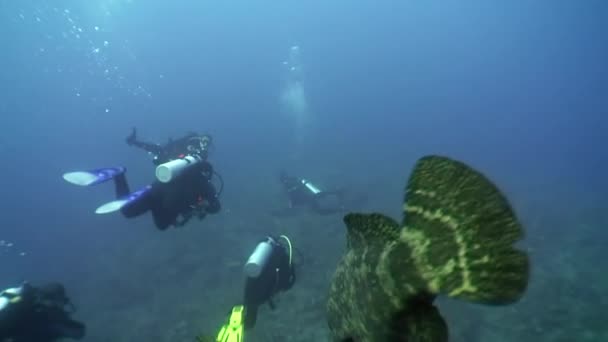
(346, 93)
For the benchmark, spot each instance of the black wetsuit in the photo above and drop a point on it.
(192, 193)
(40, 315)
(278, 275)
(175, 202)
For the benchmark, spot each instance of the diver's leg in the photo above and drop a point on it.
(163, 218)
(151, 200)
(255, 294)
(168, 203)
(251, 316)
(121, 185)
(145, 199)
(210, 195)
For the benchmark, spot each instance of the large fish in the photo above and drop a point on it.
(456, 239)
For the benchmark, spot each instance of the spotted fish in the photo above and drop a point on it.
(456, 239)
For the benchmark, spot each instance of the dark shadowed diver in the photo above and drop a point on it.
(456, 239)
(37, 314)
(301, 193)
(188, 193)
(270, 270)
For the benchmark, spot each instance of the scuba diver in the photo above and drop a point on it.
(183, 189)
(301, 192)
(269, 270)
(37, 314)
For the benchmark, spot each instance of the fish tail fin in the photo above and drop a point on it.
(461, 230)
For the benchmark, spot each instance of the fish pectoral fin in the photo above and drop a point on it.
(421, 323)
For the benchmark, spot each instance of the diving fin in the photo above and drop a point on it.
(93, 177)
(120, 203)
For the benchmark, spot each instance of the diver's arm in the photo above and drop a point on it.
(131, 140)
(155, 149)
(213, 205)
(292, 278)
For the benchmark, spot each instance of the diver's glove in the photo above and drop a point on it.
(182, 219)
(132, 137)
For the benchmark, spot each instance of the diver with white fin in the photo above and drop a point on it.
(183, 188)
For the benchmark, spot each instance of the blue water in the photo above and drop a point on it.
(518, 89)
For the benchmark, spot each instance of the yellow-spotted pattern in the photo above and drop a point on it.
(456, 239)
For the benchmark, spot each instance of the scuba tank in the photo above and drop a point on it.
(170, 170)
(310, 186)
(259, 258)
(261, 255)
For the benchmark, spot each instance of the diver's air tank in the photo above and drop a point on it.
(259, 258)
(170, 170)
(6, 296)
(311, 187)
(4, 302)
